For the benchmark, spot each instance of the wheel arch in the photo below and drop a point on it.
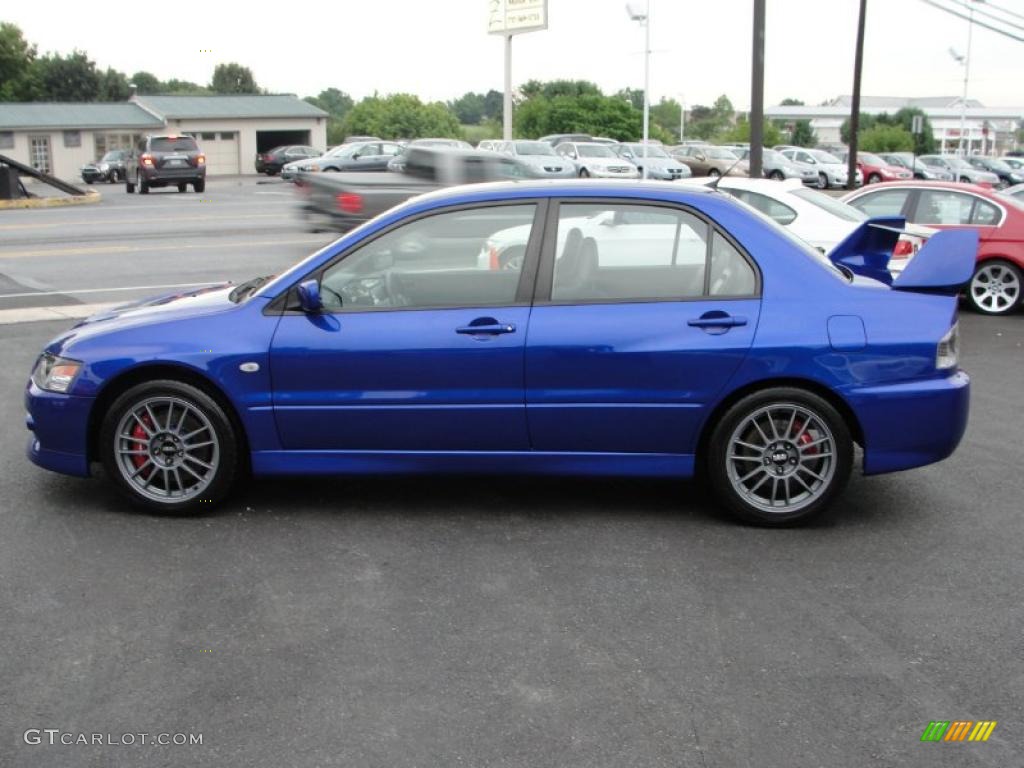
(810, 385)
(140, 374)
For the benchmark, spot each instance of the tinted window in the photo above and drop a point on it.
(731, 275)
(770, 207)
(177, 144)
(462, 258)
(943, 207)
(628, 252)
(885, 203)
(830, 204)
(985, 213)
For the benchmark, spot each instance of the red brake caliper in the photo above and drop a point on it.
(805, 439)
(140, 434)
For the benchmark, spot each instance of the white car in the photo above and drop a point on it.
(597, 160)
(829, 170)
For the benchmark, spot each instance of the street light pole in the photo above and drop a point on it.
(682, 118)
(644, 17)
(967, 76)
(506, 104)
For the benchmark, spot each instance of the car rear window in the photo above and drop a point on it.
(176, 144)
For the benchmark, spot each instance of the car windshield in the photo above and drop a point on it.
(830, 204)
(343, 151)
(997, 165)
(114, 154)
(823, 157)
(870, 159)
(652, 151)
(173, 144)
(957, 162)
(534, 148)
(595, 150)
(719, 153)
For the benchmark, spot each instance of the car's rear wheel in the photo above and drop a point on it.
(584, 173)
(169, 446)
(779, 456)
(714, 173)
(822, 181)
(199, 186)
(874, 178)
(964, 180)
(995, 288)
(776, 176)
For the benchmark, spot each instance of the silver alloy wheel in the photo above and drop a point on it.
(822, 181)
(166, 449)
(781, 458)
(995, 288)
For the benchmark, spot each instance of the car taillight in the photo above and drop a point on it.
(349, 202)
(947, 354)
(200, 159)
(903, 249)
(146, 160)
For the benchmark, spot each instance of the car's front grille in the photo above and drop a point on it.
(618, 169)
(552, 168)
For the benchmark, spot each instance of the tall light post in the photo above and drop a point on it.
(644, 18)
(966, 61)
(682, 118)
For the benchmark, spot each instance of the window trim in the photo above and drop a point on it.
(546, 271)
(286, 303)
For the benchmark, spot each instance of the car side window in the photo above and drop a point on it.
(390, 149)
(943, 207)
(888, 202)
(770, 207)
(985, 214)
(466, 258)
(730, 274)
(628, 252)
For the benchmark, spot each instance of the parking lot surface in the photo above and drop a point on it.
(489, 622)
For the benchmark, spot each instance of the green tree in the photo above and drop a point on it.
(886, 138)
(401, 115)
(16, 58)
(494, 105)
(924, 142)
(233, 78)
(866, 123)
(803, 134)
(114, 86)
(552, 88)
(468, 108)
(740, 133)
(634, 96)
(147, 83)
(336, 103)
(65, 78)
(177, 87)
(665, 115)
(791, 103)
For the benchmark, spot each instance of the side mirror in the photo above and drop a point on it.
(356, 156)
(309, 296)
(700, 156)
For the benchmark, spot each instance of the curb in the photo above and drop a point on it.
(52, 202)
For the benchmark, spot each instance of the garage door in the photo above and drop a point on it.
(221, 150)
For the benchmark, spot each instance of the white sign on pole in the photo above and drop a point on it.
(511, 17)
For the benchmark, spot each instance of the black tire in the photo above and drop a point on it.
(822, 181)
(714, 173)
(836, 472)
(584, 173)
(143, 186)
(128, 186)
(199, 186)
(1005, 277)
(964, 180)
(874, 178)
(183, 187)
(776, 176)
(227, 457)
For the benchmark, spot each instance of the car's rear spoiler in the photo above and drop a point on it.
(944, 263)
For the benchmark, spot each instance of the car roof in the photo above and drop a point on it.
(599, 188)
(956, 186)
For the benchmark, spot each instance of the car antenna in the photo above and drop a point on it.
(714, 182)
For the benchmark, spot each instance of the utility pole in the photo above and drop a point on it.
(757, 93)
(647, 82)
(858, 65)
(967, 76)
(682, 119)
(506, 104)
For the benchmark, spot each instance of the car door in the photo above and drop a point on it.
(416, 349)
(628, 357)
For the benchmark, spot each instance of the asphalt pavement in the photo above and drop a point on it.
(494, 622)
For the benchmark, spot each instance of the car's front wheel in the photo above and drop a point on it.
(779, 456)
(822, 181)
(995, 288)
(199, 185)
(169, 447)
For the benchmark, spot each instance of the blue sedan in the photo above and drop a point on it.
(587, 328)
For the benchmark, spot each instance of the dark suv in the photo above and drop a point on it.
(158, 161)
(271, 161)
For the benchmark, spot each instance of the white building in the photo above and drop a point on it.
(986, 130)
(59, 138)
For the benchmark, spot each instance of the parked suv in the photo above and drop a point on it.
(159, 161)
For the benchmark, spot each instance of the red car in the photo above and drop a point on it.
(995, 288)
(875, 169)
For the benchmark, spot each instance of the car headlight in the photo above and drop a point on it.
(104, 167)
(947, 354)
(55, 374)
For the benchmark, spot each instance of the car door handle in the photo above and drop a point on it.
(717, 320)
(490, 328)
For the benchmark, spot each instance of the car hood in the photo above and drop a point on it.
(661, 163)
(604, 162)
(542, 161)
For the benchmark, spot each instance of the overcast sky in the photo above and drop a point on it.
(439, 49)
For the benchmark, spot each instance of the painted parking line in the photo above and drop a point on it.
(78, 291)
(39, 314)
(118, 249)
(161, 220)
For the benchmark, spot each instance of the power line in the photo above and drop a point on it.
(979, 11)
(1005, 10)
(975, 21)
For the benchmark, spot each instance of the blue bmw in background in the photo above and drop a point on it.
(589, 328)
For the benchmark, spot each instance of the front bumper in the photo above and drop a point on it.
(911, 424)
(604, 173)
(59, 426)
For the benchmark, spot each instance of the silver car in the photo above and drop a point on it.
(597, 160)
(660, 164)
(826, 169)
(539, 158)
(961, 169)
